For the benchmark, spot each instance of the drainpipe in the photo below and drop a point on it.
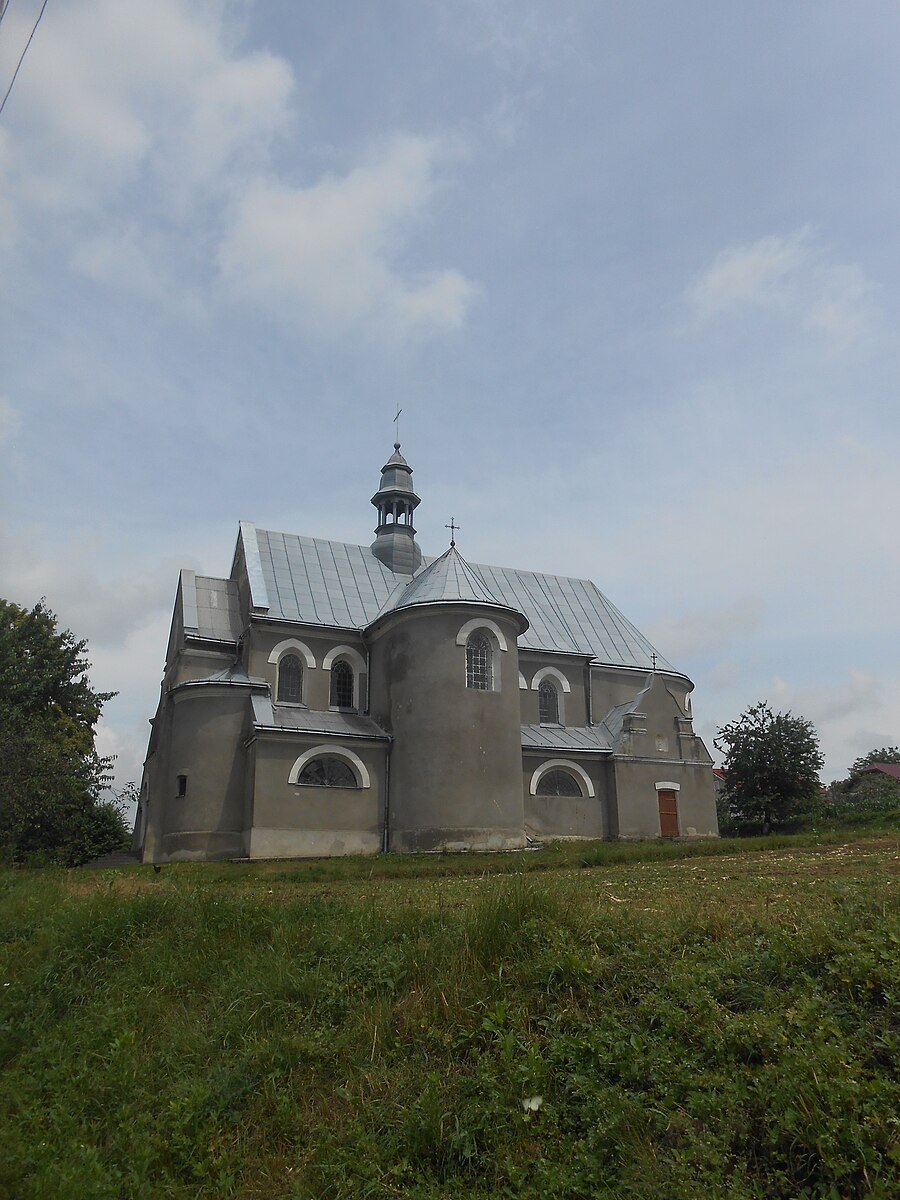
(589, 697)
(368, 675)
(385, 837)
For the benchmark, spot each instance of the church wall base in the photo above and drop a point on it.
(198, 846)
(311, 843)
(408, 841)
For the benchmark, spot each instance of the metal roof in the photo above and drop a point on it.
(557, 737)
(211, 607)
(318, 582)
(447, 579)
(302, 720)
(886, 768)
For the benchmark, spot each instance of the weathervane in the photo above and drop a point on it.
(454, 529)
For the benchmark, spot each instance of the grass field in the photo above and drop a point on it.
(590, 1021)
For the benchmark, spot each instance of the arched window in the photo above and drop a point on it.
(558, 783)
(328, 772)
(548, 703)
(290, 680)
(341, 684)
(479, 662)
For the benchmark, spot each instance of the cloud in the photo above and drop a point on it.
(8, 223)
(10, 421)
(794, 277)
(852, 715)
(133, 668)
(806, 530)
(322, 256)
(826, 703)
(517, 35)
(141, 149)
(706, 631)
(130, 258)
(94, 603)
(119, 92)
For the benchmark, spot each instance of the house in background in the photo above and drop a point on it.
(330, 699)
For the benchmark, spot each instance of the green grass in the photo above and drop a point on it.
(704, 1020)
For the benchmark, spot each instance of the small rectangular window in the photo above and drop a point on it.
(182, 785)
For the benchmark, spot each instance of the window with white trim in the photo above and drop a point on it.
(341, 684)
(328, 772)
(558, 782)
(479, 662)
(290, 680)
(548, 703)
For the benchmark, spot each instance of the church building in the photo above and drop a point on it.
(329, 699)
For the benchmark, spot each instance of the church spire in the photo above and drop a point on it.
(395, 538)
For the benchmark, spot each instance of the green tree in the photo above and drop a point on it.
(866, 793)
(887, 754)
(772, 764)
(51, 777)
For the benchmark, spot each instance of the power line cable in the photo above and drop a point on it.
(4, 5)
(22, 55)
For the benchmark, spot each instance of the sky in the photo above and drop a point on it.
(631, 271)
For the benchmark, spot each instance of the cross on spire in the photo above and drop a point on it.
(653, 659)
(454, 529)
(397, 424)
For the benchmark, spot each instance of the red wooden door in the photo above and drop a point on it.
(668, 813)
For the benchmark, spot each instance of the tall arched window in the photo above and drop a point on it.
(548, 703)
(341, 684)
(479, 662)
(290, 680)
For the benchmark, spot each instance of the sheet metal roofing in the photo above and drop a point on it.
(302, 720)
(318, 582)
(211, 607)
(556, 737)
(446, 579)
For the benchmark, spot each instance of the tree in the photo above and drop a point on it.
(867, 793)
(51, 777)
(887, 754)
(772, 764)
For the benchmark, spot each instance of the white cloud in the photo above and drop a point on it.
(793, 276)
(94, 603)
(140, 132)
(10, 421)
(808, 531)
(130, 258)
(826, 703)
(119, 91)
(758, 274)
(517, 35)
(133, 668)
(707, 631)
(322, 256)
(8, 222)
(852, 715)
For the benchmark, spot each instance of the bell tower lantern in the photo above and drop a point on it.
(395, 538)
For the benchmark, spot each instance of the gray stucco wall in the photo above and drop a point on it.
(659, 746)
(456, 763)
(611, 686)
(573, 704)
(548, 817)
(638, 805)
(264, 638)
(206, 726)
(297, 821)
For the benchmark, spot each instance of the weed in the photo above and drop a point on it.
(591, 1021)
